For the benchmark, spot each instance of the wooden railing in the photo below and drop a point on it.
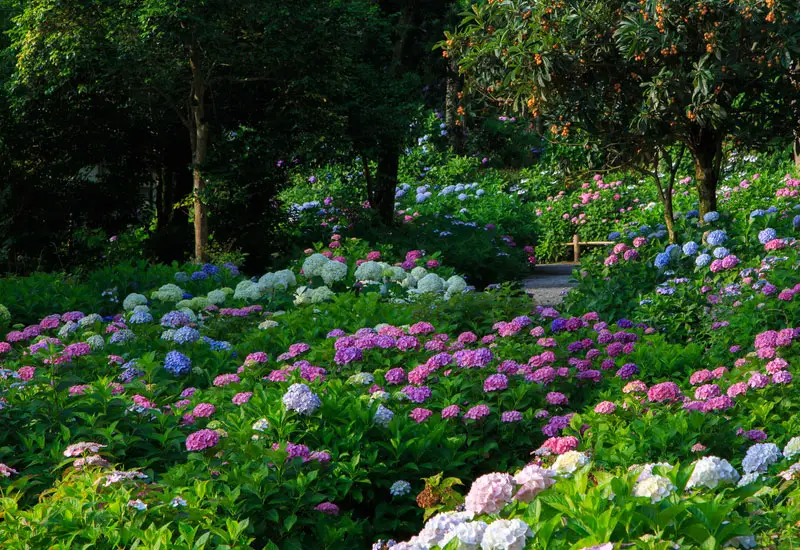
(576, 245)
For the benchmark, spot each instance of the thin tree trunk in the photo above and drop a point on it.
(386, 183)
(200, 138)
(706, 148)
(454, 132)
(797, 151)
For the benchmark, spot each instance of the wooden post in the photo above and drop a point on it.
(576, 247)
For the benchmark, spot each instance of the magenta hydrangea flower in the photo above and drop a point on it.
(560, 445)
(226, 379)
(451, 411)
(203, 439)
(495, 382)
(417, 394)
(557, 398)
(348, 355)
(203, 410)
(511, 416)
(421, 328)
(782, 377)
(707, 391)
(605, 407)
(477, 412)
(242, 397)
(420, 415)
(758, 380)
(328, 508)
(665, 391)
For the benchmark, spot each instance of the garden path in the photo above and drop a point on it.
(547, 283)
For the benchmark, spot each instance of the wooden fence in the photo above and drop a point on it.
(576, 245)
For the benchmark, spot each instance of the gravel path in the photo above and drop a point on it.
(548, 282)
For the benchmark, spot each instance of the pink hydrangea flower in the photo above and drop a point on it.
(477, 412)
(490, 493)
(665, 391)
(451, 411)
(203, 410)
(203, 439)
(225, 379)
(532, 480)
(420, 415)
(242, 397)
(605, 407)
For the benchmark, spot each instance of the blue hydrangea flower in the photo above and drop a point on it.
(231, 267)
(175, 319)
(210, 269)
(633, 235)
(400, 488)
(709, 217)
(767, 235)
(796, 221)
(217, 345)
(671, 248)
(692, 214)
(716, 237)
(690, 248)
(703, 260)
(558, 325)
(140, 317)
(186, 335)
(199, 275)
(177, 364)
(772, 209)
(121, 336)
(757, 213)
(301, 399)
(181, 277)
(662, 260)
(187, 296)
(614, 235)
(644, 229)
(720, 252)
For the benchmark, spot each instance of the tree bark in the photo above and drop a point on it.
(797, 151)
(454, 132)
(386, 183)
(199, 130)
(706, 148)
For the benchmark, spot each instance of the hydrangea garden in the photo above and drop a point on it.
(312, 332)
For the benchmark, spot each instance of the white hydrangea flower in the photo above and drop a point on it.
(646, 470)
(248, 290)
(302, 296)
(89, 320)
(568, 462)
(132, 300)
(792, 448)
(383, 416)
(269, 323)
(261, 425)
(654, 487)
(760, 456)
(267, 281)
(469, 535)
(711, 471)
(198, 302)
(312, 266)
(96, 342)
(364, 378)
(440, 525)
(748, 541)
(455, 284)
(322, 294)
(506, 534)
(397, 274)
(747, 479)
(412, 544)
(216, 297)
(142, 309)
(333, 272)
(430, 283)
(419, 272)
(409, 282)
(169, 293)
(184, 304)
(369, 271)
(284, 279)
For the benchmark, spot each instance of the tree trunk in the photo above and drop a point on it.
(706, 148)
(200, 137)
(797, 151)
(386, 183)
(668, 218)
(454, 132)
